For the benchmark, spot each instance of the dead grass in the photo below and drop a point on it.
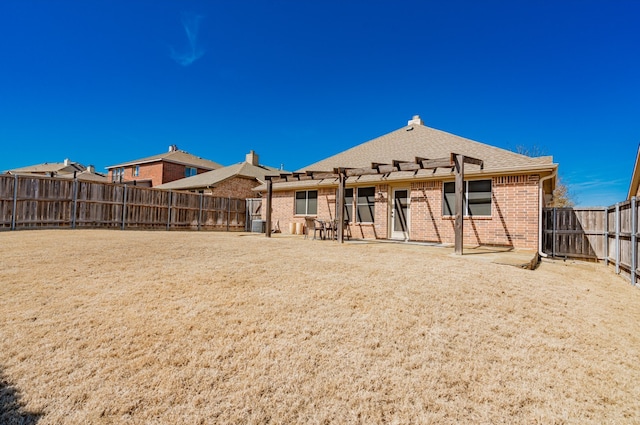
(101, 327)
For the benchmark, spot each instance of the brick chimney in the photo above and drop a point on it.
(415, 121)
(252, 158)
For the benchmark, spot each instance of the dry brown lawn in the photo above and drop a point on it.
(111, 327)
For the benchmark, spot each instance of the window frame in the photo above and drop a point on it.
(370, 204)
(189, 174)
(465, 198)
(135, 171)
(306, 203)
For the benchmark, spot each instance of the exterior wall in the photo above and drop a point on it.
(513, 221)
(158, 172)
(236, 187)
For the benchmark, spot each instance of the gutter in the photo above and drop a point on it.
(540, 202)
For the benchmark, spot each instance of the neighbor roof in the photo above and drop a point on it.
(50, 167)
(175, 156)
(212, 178)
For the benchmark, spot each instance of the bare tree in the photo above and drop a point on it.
(562, 194)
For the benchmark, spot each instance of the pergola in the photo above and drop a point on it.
(455, 162)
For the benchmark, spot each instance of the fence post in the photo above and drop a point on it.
(75, 202)
(124, 206)
(15, 202)
(606, 236)
(634, 240)
(618, 238)
(169, 211)
(553, 233)
(229, 213)
(200, 210)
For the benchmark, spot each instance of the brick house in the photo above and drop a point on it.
(158, 169)
(234, 181)
(502, 198)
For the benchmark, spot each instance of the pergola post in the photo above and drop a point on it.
(268, 212)
(459, 189)
(340, 213)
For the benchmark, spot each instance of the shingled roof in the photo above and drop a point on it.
(418, 140)
(248, 169)
(173, 155)
(66, 167)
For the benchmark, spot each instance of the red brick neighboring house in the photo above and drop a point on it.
(158, 169)
(502, 201)
(234, 181)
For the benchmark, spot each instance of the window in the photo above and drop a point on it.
(118, 174)
(190, 171)
(307, 202)
(476, 198)
(366, 204)
(136, 171)
(348, 204)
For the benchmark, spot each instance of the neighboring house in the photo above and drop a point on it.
(158, 169)
(235, 181)
(502, 198)
(634, 188)
(88, 175)
(50, 169)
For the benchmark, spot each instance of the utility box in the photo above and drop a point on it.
(258, 226)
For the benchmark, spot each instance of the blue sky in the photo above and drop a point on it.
(297, 81)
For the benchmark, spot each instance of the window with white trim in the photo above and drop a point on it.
(136, 171)
(190, 171)
(307, 202)
(476, 198)
(365, 204)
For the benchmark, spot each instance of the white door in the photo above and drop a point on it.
(400, 215)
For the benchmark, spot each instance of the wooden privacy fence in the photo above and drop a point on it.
(43, 202)
(609, 234)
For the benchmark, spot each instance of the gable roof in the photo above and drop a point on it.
(635, 177)
(65, 167)
(176, 156)
(212, 178)
(417, 140)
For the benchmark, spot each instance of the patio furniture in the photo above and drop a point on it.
(316, 225)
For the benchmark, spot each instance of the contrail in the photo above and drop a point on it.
(191, 23)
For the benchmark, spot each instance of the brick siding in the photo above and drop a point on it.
(235, 187)
(158, 172)
(513, 221)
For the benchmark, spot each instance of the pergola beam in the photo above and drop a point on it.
(454, 161)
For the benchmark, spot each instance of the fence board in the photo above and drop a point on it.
(609, 234)
(42, 202)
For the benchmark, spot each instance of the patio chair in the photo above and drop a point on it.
(313, 224)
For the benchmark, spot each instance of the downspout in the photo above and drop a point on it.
(540, 202)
